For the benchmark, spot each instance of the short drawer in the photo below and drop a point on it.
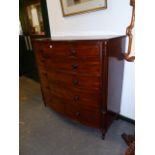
(91, 118)
(70, 49)
(75, 80)
(87, 66)
(80, 97)
(88, 117)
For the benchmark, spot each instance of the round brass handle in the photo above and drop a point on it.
(76, 98)
(74, 66)
(73, 52)
(45, 74)
(77, 113)
(43, 60)
(48, 88)
(75, 82)
(41, 50)
(50, 46)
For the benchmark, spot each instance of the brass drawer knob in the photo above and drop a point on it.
(74, 66)
(41, 50)
(75, 82)
(42, 60)
(73, 52)
(45, 74)
(76, 98)
(77, 113)
(48, 88)
(50, 46)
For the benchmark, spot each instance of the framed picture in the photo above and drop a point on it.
(71, 7)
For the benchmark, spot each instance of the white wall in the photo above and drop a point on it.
(128, 91)
(111, 21)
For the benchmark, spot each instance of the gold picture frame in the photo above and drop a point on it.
(73, 7)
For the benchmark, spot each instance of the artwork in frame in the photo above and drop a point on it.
(72, 7)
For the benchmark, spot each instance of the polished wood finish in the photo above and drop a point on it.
(82, 80)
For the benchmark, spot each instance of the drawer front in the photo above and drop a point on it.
(62, 105)
(86, 116)
(72, 111)
(77, 96)
(90, 118)
(57, 105)
(70, 49)
(75, 81)
(84, 66)
(87, 48)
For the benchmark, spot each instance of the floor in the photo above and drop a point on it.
(44, 132)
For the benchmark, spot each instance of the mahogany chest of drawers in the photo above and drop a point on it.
(82, 80)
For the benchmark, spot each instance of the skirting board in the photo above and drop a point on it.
(126, 119)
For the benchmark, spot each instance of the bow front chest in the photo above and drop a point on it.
(82, 79)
